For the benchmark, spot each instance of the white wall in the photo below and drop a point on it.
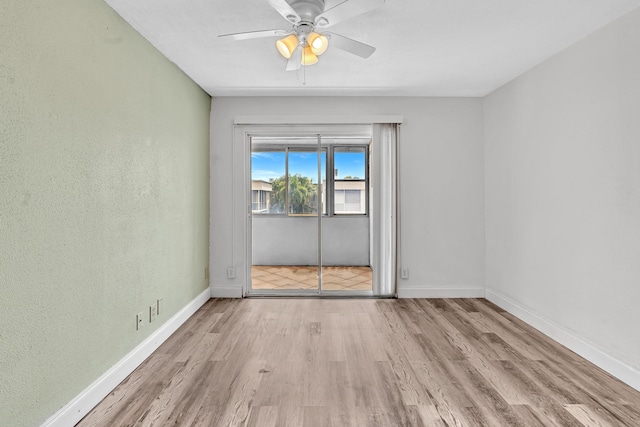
(563, 196)
(441, 172)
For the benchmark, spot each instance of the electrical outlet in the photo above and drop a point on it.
(231, 273)
(160, 306)
(404, 273)
(139, 321)
(153, 312)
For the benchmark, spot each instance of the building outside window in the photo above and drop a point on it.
(260, 196)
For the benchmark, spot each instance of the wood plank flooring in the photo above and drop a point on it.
(364, 362)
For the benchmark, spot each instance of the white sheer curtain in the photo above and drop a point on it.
(384, 194)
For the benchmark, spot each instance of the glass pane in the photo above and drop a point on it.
(268, 182)
(350, 181)
(346, 239)
(303, 182)
(285, 247)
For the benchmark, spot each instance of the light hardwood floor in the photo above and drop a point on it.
(328, 362)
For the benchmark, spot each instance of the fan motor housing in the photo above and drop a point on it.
(308, 10)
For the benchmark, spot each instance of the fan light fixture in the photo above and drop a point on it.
(287, 45)
(318, 43)
(308, 57)
(314, 46)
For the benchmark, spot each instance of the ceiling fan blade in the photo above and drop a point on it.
(295, 62)
(350, 45)
(285, 9)
(345, 10)
(255, 34)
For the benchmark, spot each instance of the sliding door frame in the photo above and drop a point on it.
(247, 127)
(359, 132)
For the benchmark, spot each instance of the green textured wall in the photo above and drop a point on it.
(104, 195)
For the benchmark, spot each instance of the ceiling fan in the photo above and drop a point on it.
(307, 39)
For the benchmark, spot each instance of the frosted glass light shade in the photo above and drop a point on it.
(308, 57)
(287, 45)
(318, 43)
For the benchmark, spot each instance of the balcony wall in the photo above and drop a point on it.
(292, 240)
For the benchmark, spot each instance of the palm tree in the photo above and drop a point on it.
(278, 195)
(302, 194)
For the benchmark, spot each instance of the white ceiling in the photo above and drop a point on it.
(424, 47)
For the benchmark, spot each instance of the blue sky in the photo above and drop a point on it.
(349, 164)
(267, 165)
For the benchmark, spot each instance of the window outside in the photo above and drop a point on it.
(350, 181)
(299, 193)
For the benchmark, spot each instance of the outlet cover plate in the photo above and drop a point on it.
(139, 321)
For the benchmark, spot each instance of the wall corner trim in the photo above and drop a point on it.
(441, 292)
(226, 291)
(84, 402)
(573, 342)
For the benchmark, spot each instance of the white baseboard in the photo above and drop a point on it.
(575, 343)
(226, 291)
(458, 292)
(80, 406)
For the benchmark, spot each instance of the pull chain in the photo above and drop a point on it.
(304, 69)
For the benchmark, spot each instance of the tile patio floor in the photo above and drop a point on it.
(291, 277)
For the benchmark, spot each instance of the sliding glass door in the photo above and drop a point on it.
(310, 228)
